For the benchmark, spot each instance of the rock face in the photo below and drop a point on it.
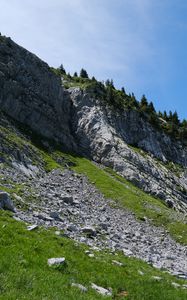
(104, 136)
(32, 94)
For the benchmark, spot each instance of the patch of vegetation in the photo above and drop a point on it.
(24, 273)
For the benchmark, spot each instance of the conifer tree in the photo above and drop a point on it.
(83, 73)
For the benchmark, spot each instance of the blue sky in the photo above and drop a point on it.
(140, 44)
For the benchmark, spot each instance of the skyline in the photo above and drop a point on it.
(139, 44)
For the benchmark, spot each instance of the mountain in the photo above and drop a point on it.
(104, 170)
(81, 122)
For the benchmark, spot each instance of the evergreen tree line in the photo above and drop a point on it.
(119, 99)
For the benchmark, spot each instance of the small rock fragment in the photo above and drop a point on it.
(67, 198)
(90, 231)
(140, 272)
(32, 227)
(91, 255)
(157, 278)
(101, 290)
(175, 284)
(115, 262)
(56, 261)
(55, 215)
(80, 286)
(127, 252)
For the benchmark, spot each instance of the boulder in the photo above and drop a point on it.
(5, 202)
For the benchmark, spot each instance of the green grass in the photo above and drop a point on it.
(24, 273)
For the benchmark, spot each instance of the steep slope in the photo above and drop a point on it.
(33, 95)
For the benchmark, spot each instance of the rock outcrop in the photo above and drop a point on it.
(105, 136)
(32, 94)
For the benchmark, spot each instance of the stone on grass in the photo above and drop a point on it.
(80, 287)
(5, 202)
(184, 286)
(56, 261)
(57, 232)
(91, 255)
(32, 227)
(115, 262)
(140, 272)
(101, 290)
(175, 284)
(158, 278)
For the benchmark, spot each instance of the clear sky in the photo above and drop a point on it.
(140, 44)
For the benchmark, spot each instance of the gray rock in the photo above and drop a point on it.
(115, 262)
(90, 231)
(176, 285)
(101, 290)
(55, 215)
(127, 252)
(158, 278)
(72, 227)
(80, 287)
(56, 261)
(32, 227)
(91, 255)
(67, 199)
(5, 202)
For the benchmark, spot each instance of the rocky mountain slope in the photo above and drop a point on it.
(103, 177)
(33, 95)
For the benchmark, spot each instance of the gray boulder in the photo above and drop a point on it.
(5, 202)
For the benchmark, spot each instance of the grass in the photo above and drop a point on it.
(24, 273)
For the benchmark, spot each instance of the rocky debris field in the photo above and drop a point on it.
(78, 210)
